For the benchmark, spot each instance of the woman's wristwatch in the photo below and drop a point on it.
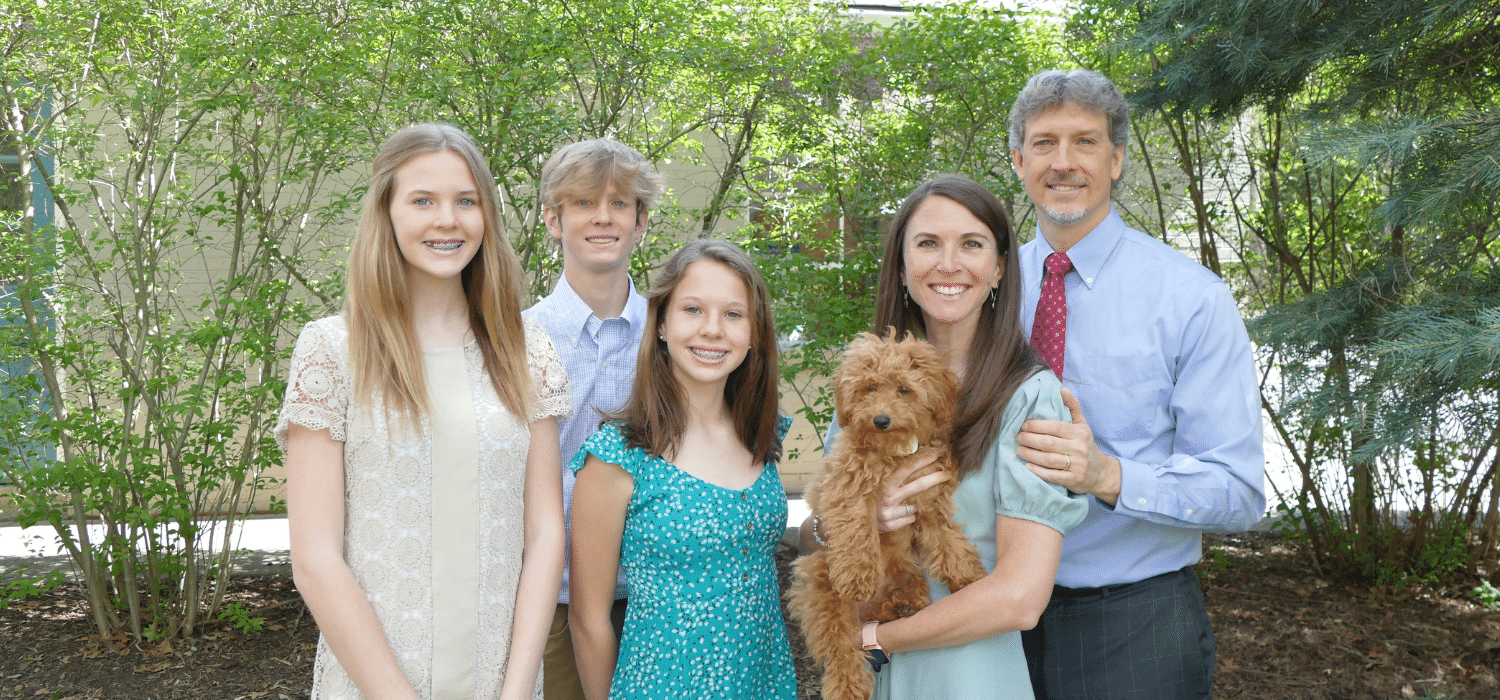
(876, 656)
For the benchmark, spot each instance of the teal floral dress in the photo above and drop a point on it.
(704, 616)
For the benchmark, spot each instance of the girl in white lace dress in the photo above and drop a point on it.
(420, 428)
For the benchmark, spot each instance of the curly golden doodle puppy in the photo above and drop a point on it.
(895, 400)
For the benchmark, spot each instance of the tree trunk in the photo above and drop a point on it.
(1362, 516)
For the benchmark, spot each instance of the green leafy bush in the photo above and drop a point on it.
(238, 616)
(1488, 595)
(21, 588)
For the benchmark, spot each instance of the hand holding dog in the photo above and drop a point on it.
(1066, 454)
(852, 576)
(894, 401)
(892, 513)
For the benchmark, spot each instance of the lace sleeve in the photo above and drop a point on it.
(317, 385)
(549, 381)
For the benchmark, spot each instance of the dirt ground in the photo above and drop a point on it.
(1282, 633)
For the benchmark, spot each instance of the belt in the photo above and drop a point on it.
(1065, 592)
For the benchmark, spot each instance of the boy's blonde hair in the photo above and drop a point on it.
(585, 167)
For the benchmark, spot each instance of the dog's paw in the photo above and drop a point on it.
(899, 605)
(957, 583)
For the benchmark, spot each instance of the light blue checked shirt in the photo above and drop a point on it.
(599, 356)
(1158, 357)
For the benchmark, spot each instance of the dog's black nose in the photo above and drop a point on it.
(882, 422)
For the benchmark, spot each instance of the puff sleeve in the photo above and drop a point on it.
(1019, 493)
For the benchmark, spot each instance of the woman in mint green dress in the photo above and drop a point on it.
(950, 275)
(681, 490)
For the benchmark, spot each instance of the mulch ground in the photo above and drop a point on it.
(1282, 633)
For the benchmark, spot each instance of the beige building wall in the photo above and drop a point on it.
(690, 185)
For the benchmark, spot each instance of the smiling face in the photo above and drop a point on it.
(597, 231)
(1067, 163)
(707, 324)
(436, 215)
(951, 263)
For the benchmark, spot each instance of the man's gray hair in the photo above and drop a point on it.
(1087, 89)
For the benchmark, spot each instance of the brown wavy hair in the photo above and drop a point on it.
(654, 417)
(999, 358)
(383, 347)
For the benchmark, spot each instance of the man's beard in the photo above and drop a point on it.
(1065, 217)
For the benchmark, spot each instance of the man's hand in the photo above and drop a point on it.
(1065, 454)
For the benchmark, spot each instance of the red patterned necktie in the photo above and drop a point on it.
(1049, 331)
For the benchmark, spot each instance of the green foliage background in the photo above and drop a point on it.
(207, 159)
(1336, 165)
(1351, 155)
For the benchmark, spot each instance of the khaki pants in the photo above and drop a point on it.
(559, 669)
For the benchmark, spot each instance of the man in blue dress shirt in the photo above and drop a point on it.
(1166, 430)
(597, 197)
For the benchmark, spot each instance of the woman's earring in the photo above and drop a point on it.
(905, 298)
(992, 298)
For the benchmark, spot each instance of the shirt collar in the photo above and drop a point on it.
(635, 308)
(1091, 252)
(573, 313)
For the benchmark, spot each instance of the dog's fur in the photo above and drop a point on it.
(892, 396)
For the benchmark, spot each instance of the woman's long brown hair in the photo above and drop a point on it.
(999, 358)
(655, 415)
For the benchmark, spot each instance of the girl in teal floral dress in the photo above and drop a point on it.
(681, 490)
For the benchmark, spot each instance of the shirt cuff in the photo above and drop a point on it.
(1138, 489)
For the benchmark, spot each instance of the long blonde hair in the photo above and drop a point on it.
(383, 345)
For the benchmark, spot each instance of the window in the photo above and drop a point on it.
(21, 399)
(12, 194)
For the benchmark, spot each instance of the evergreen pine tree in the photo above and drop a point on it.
(1398, 364)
